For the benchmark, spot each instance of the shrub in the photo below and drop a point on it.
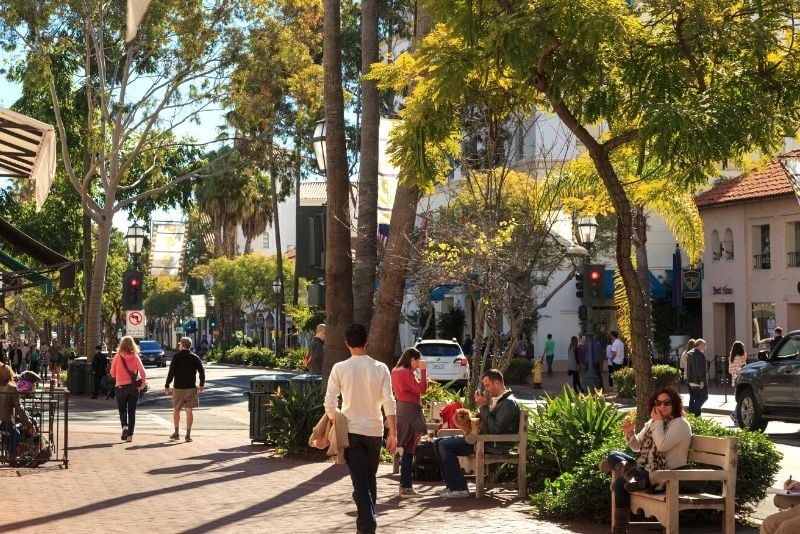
(440, 393)
(519, 369)
(292, 414)
(758, 462)
(292, 359)
(625, 382)
(664, 375)
(242, 355)
(565, 429)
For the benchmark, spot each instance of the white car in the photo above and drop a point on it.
(445, 359)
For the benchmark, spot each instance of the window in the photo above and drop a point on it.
(265, 243)
(716, 247)
(727, 245)
(763, 321)
(761, 247)
(793, 244)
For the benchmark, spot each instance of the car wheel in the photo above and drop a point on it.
(748, 413)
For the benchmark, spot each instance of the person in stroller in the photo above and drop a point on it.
(10, 410)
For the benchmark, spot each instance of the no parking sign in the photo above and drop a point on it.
(134, 323)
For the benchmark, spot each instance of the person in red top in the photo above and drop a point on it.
(410, 420)
(126, 362)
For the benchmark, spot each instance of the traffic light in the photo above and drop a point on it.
(132, 290)
(212, 322)
(579, 285)
(595, 275)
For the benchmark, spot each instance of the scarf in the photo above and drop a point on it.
(649, 456)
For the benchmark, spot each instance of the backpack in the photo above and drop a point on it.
(448, 413)
(425, 467)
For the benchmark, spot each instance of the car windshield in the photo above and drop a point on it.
(149, 345)
(431, 349)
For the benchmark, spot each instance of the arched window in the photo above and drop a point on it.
(716, 247)
(727, 245)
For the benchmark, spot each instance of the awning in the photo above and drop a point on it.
(51, 260)
(28, 150)
(657, 288)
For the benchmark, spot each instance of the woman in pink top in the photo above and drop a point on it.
(126, 362)
(410, 421)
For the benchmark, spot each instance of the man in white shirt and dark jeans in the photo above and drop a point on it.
(617, 353)
(365, 386)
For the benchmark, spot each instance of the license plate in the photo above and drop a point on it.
(438, 366)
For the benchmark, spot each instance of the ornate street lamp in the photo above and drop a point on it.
(134, 239)
(587, 231)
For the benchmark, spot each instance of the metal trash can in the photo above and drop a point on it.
(306, 378)
(261, 387)
(76, 376)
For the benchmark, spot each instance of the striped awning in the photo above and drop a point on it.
(27, 150)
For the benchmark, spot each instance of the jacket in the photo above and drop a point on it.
(10, 405)
(331, 434)
(696, 367)
(502, 418)
(118, 370)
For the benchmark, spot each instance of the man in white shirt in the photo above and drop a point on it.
(365, 386)
(617, 352)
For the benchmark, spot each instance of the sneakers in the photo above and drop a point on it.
(454, 494)
(408, 493)
(174, 436)
(124, 436)
(188, 438)
(129, 438)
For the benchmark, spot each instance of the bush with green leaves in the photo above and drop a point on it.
(518, 371)
(566, 428)
(291, 359)
(625, 379)
(758, 461)
(292, 413)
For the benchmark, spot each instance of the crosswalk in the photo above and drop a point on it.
(107, 419)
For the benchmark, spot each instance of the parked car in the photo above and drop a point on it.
(445, 359)
(152, 352)
(769, 389)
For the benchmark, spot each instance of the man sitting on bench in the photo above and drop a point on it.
(499, 414)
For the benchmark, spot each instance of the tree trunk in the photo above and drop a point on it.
(389, 301)
(276, 224)
(643, 267)
(338, 264)
(366, 247)
(95, 308)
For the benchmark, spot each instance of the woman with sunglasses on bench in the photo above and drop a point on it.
(662, 443)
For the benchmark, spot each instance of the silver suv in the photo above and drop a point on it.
(769, 390)
(445, 359)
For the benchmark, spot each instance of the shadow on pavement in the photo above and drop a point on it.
(94, 446)
(207, 461)
(159, 445)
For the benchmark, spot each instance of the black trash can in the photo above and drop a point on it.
(306, 378)
(261, 387)
(76, 376)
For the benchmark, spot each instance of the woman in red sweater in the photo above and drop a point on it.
(410, 421)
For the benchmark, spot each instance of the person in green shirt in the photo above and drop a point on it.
(549, 353)
(35, 360)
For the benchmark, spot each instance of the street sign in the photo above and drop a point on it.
(135, 323)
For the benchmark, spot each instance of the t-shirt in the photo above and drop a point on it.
(619, 347)
(550, 347)
(365, 386)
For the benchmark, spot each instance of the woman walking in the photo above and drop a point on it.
(574, 364)
(410, 420)
(124, 367)
(736, 360)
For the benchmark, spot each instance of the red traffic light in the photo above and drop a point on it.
(135, 282)
(594, 275)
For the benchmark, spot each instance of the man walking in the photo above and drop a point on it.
(365, 386)
(549, 353)
(315, 351)
(499, 415)
(184, 368)
(696, 376)
(99, 366)
(617, 355)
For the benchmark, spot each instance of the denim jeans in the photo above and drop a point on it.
(362, 457)
(447, 451)
(622, 498)
(550, 359)
(13, 439)
(406, 469)
(127, 398)
(697, 397)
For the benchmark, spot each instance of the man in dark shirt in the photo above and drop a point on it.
(184, 368)
(99, 365)
(315, 351)
(776, 339)
(696, 376)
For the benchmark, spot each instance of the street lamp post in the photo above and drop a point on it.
(277, 286)
(134, 240)
(209, 315)
(587, 231)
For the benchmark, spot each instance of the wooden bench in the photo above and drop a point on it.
(665, 507)
(485, 463)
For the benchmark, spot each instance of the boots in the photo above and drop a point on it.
(622, 516)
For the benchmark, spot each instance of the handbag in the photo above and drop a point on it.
(136, 380)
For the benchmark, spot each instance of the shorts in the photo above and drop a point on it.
(185, 398)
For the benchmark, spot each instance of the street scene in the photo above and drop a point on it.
(400, 267)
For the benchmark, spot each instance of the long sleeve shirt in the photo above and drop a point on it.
(365, 386)
(500, 416)
(696, 367)
(673, 442)
(122, 377)
(406, 387)
(184, 368)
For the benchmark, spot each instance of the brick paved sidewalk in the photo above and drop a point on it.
(220, 483)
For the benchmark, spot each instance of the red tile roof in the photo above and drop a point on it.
(770, 181)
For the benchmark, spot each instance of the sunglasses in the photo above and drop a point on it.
(667, 402)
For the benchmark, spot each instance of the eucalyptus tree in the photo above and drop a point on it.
(136, 95)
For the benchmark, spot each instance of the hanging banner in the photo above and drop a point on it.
(691, 284)
(387, 174)
(198, 306)
(166, 248)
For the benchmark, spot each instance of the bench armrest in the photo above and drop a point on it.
(660, 477)
(498, 437)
